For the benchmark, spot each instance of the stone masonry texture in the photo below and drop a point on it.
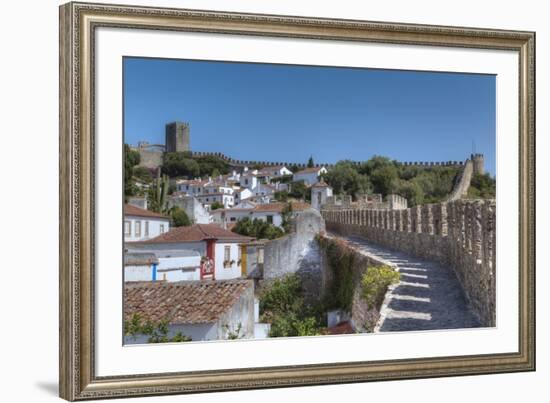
(459, 234)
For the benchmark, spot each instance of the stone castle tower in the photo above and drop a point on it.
(177, 137)
(478, 161)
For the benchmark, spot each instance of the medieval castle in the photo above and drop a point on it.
(178, 139)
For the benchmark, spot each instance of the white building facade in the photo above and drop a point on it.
(140, 224)
(310, 176)
(319, 194)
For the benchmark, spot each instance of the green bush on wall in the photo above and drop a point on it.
(340, 261)
(375, 283)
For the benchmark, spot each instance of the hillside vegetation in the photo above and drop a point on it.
(419, 185)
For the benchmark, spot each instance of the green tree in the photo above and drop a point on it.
(131, 159)
(257, 228)
(345, 179)
(299, 190)
(179, 217)
(310, 163)
(482, 187)
(143, 174)
(180, 164)
(281, 196)
(216, 205)
(282, 305)
(411, 191)
(384, 179)
(376, 162)
(210, 165)
(287, 217)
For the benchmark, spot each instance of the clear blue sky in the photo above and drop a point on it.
(287, 113)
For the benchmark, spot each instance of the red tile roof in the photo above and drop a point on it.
(321, 184)
(309, 170)
(279, 206)
(341, 328)
(197, 233)
(184, 302)
(139, 212)
(276, 207)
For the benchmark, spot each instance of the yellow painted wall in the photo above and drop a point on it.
(244, 256)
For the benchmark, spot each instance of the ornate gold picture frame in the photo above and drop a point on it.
(78, 25)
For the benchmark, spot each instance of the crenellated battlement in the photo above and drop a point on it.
(427, 164)
(459, 233)
(369, 202)
(250, 163)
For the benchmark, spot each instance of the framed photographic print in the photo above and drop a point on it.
(255, 201)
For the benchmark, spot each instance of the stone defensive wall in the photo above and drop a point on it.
(463, 183)
(367, 202)
(460, 234)
(152, 154)
(248, 163)
(364, 317)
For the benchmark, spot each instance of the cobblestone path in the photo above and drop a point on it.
(428, 296)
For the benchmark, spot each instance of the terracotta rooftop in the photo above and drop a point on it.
(321, 184)
(278, 207)
(184, 302)
(138, 259)
(139, 212)
(214, 194)
(197, 233)
(269, 170)
(309, 170)
(341, 328)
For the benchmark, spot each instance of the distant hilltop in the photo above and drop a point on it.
(178, 139)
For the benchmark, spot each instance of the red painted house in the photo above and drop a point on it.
(219, 248)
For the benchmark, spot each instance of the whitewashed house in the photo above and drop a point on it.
(192, 187)
(227, 200)
(194, 209)
(241, 194)
(273, 172)
(319, 194)
(220, 249)
(213, 310)
(310, 176)
(165, 265)
(264, 189)
(216, 187)
(271, 213)
(140, 224)
(249, 180)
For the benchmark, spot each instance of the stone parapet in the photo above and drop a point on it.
(459, 233)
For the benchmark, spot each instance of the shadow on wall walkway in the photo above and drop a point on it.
(428, 296)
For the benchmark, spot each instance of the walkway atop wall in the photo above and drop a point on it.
(428, 296)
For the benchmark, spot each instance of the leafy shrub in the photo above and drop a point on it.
(340, 261)
(257, 228)
(157, 332)
(179, 217)
(482, 187)
(233, 334)
(131, 159)
(418, 184)
(180, 164)
(216, 205)
(282, 305)
(299, 190)
(143, 174)
(375, 283)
